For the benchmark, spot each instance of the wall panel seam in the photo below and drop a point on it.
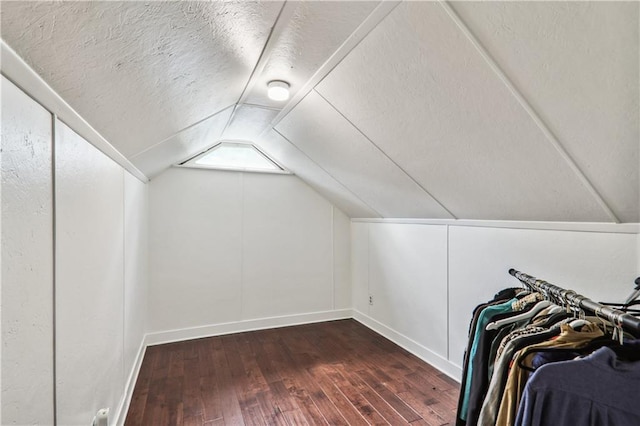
(448, 300)
(529, 109)
(333, 259)
(329, 174)
(124, 290)
(242, 219)
(387, 156)
(54, 119)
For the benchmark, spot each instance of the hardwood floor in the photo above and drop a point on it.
(335, 373)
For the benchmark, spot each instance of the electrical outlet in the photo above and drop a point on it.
(101, 418)
(370, 300)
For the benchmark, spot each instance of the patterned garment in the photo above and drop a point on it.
(529, 330)
(527, 300)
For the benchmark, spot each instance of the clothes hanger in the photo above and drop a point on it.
(579, 320)
(555, 309)
(523, 316)
(594, 344)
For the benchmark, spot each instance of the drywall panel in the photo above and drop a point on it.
(341, 260)
(283, 151)
(27, 260)
(248, 122)
(577, 64)
(437, 110)
(314, 32)
(287, 265)
(600, 266)
(183, 145)
(136, 267)
(360, 266)
(89, 280)
(408, 281)
(156, 67)
(337, 146)
(195, 236)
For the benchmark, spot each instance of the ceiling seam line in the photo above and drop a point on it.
(284, 16)
(229, 120)
(286, 11)
(330, 175)
(381, 11)
(182, 130)
(387, 156)
(526, 105)
(266, 107)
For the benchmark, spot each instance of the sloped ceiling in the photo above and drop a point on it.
(469, 110)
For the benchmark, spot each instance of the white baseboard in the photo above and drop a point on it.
(410, 345)
(242, 326)
(130, 384)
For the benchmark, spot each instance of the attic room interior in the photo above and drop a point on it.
(320, 212)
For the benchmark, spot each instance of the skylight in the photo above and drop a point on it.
(234, 156)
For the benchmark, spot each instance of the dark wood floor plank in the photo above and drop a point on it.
(335, 395)
(300, 355)
(333, 373)
(353, 394)
(209, 392)
(297, 418)
(382, 406)
(230, 406)
(270, 410)
(389, 396)
(425, 407)
(252, 415)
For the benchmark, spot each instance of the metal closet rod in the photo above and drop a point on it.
(571, 297)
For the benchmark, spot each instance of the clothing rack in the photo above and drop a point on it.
(617, 317)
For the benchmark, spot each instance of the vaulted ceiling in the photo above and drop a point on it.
(470, 110)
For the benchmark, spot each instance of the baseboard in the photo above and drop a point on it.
(170, 336)
(410, 345)
(130, 384)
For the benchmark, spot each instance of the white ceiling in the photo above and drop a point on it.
(471, 110)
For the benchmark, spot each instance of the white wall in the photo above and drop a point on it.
(408, 268)
(426, 279)
(136, 267)
(101, 268)
(341, 260)
(27, 266)
(89, 279)
(230, 247)
(99, 214)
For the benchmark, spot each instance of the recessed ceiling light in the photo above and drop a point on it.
(278, 90)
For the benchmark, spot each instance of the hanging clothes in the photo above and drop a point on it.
(483, 355)
(568, 338)
(500, 297)
(514, 340)
(597, 390)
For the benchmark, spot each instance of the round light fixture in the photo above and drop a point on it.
(278, 90)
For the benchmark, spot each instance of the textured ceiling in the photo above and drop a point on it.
(471, 110)
(141, 71)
